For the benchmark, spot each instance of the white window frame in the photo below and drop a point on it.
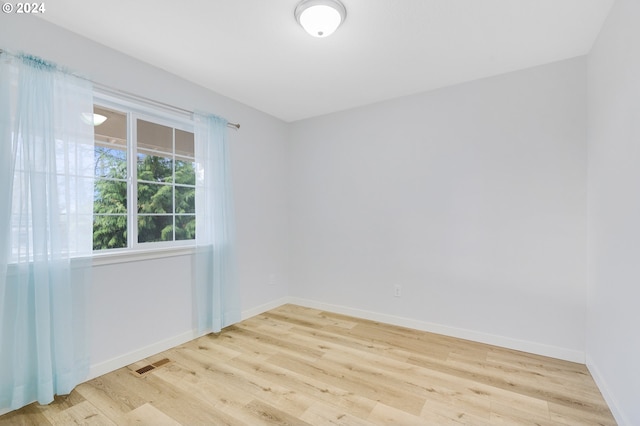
(135, 250)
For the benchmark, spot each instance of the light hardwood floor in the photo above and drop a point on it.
(297, 366)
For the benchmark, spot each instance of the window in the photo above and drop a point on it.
(110, 203)
(144, 194)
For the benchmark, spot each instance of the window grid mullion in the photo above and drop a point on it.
(132, 133)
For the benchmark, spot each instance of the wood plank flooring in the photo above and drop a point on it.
(299, 366)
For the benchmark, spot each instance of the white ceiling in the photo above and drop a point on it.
(253, 51)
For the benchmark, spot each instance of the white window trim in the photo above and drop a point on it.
(135, 251)
(113, 256)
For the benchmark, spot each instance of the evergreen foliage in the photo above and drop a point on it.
(158, 199)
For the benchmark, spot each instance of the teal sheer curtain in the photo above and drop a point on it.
(217, 300)
(46, 203)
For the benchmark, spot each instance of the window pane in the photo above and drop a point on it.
(109, 232)
(75, 157)
(185, 199)
(186, 227)
(184, 143)
(75, 188)
(163, 209)
(109, 196)
(185, 172)
(154, 168)
(155, 228)
(113, 132)
(155, 198)
(110, 162)
(154, 137)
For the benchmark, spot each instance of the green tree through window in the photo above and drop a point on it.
(164, 190)
(110, 199)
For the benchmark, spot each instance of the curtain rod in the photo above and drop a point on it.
(121, 93)
(132, 96)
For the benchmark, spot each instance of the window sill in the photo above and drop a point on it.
(101, 259)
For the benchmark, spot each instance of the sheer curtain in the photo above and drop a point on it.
(46, 203)
(217, 298)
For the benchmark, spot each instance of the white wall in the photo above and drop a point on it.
(613, 316)
(143, 306)
(472, 198)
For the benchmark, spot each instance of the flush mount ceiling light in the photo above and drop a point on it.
(320, 18)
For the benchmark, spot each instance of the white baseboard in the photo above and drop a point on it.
(113, 364)
(531, 347)
(606, 393)
(264, 308)
(105, 367)
(476, 336)
(506, 342)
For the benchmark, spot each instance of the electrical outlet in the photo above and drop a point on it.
(397, 290)
(272, 280)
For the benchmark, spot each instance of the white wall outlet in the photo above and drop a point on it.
(397, 290)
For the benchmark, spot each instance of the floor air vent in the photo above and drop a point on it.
(143, 371)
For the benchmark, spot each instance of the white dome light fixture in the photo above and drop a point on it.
(320, 18)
